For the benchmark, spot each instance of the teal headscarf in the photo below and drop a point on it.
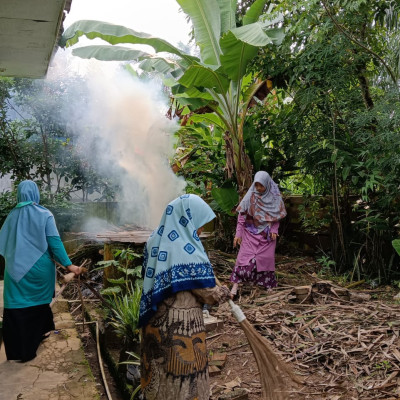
(175, 259)
(23, 234)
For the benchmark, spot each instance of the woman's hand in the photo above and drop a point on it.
(274, 236)
(227, 292)
(237, 241)
(75, 269)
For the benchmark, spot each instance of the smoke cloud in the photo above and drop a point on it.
(119, 124)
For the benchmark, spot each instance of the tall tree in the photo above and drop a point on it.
(336, 76)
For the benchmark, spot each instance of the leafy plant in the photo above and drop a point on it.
(383, 365)
(124, 309)
(336, 119)
(328, 265)
(226, 198)
(124, 313)
(124, 259)
(135, 361)
(8, 200)
(216, 86)
(200, 157)
(396, 245)
(314, 217)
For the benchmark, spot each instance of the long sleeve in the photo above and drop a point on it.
(57, 250)
(56, 247)
(274, 227)
(216, 294)
(240, 225)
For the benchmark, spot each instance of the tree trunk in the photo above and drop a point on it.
(366, 93)
(244, 173)
(230, 164)
(364, 85)
(238, 163)
(111, 271)
(46, 157)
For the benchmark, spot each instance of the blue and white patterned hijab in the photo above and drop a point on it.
(175, 259)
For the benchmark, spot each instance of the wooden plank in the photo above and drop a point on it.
(133, 236)
(213, 370)
(211, 323)
(218, 360)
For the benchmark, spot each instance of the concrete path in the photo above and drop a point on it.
(60, 370)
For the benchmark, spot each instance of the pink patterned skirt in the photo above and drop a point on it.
(249, 274)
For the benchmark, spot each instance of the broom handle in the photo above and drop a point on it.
(236, 310)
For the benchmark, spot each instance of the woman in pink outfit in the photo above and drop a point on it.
(257, 229)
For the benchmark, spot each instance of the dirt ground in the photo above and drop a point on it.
(343, 348)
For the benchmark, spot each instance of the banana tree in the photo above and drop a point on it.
(215, 82)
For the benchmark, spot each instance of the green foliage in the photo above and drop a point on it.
(334, 122)
(7, 203)
(396, 245)
(199, 157)
(15, 153)
(383, 365)
(105, 264)
(217, 81)
(226, 198)
(65, 212)
(124, 313)
(328, 265)
(300, 184)
(123, 260)
(110, 291)
(134, 360)
(314, 215)
(123, 297)
(271, 148)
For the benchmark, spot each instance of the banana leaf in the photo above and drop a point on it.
(206, 18)
(226, 198)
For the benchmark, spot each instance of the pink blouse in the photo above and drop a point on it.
(258, 246)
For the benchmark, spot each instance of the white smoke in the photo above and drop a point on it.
(121, 123)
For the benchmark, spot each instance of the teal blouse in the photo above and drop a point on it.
(37, 286)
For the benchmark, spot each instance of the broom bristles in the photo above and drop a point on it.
(274, 372)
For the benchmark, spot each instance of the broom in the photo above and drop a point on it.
(275, 374)
(66, 278)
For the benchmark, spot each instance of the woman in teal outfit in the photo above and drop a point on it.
(29, 242)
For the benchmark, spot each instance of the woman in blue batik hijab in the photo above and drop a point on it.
(29, 241)
(178, 280)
